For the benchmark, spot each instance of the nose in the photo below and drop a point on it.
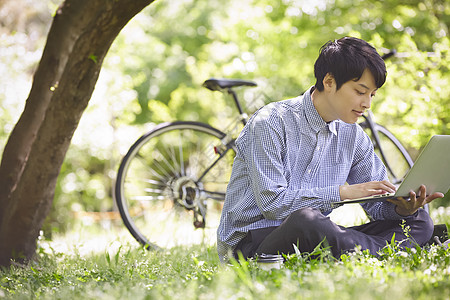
(367, 102)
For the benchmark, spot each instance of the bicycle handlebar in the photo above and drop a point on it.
(389, 54)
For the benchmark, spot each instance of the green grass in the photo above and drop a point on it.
(195, 273)
(68, 269)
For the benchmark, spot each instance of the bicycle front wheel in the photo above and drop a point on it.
(173, 181)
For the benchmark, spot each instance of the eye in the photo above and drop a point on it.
(360, 93)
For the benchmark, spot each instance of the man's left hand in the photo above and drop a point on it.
(408, 207)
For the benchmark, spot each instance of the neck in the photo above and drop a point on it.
(320, 102)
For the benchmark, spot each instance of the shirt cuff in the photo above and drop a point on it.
(330, 195)
(321, 198)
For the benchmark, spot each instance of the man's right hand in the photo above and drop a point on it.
(366, 189)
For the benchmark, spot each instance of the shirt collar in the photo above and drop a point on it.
(332, 127)
(312, 115)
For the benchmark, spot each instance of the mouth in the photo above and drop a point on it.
(358, 113)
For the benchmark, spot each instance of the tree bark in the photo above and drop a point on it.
(79, 38)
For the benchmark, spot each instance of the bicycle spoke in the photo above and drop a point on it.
(159, 183)
(172, 156)
(153, 190)
(162, 169)
(172, 168)
(147, 198)
(180, 149)
(145, 165)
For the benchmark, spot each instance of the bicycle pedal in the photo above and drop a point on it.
(199, 224)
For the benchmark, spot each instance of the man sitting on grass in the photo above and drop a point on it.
(293, 161)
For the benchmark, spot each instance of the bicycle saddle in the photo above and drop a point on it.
(214, 84)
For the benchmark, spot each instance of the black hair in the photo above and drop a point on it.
(346, 59)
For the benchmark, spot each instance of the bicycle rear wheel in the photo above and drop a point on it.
(393, 154)
(172, 181)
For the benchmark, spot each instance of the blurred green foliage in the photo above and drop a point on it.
(154, 71)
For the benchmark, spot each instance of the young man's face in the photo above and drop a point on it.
(351, 100)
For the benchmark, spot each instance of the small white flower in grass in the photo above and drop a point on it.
(431, 269)
(402, 254)
(375, 262)
(446, 271)
(358, 250)
(259, 287)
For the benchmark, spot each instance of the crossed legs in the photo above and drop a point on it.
(307, 227)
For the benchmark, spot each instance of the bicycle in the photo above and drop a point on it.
(178, 172)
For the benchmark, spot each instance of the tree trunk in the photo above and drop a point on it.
(79, 38)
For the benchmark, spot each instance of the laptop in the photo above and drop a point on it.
(432, 169)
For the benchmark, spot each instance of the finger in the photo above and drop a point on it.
(421, 202)
(438, 195)
(422, 191)
(415, 201)
(385, 186)
(379, 191)
(389, 185)
(434, 196)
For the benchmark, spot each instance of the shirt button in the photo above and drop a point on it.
(309, 171)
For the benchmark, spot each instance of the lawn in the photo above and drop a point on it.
(71, 267)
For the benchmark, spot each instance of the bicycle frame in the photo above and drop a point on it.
(244, 116)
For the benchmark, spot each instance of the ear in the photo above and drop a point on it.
(329, 82)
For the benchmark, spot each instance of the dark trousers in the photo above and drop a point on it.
(307, 227)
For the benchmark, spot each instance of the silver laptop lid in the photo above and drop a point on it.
(432, 168)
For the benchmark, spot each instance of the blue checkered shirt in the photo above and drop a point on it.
(288, 158)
